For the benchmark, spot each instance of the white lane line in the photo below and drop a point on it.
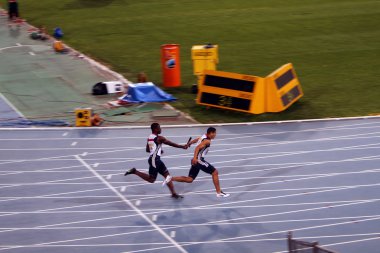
(257, 144)
(172, 234)
(11, 105)
(89, 238)
(259, 184)
(58, 194)
(307, 177)
(60, 181)
(214, 222)
(291, 165)
(211, 192)
(108, 177)
(199, 242)
(272, 143)
(296, 177)
(339, 137)
(162, 232)
(203, 192)
(64, 134)
(349, 242)
(61, 197)
(95, 165)
(330, 128)
(154, 217)
(66, 156)
(287, 165)
(268, 154)
(283, 196)
(295, 211)
(32, 53)
(188, 225)
(85, 154)
(233, 239)
(112, 149)
(48, 158)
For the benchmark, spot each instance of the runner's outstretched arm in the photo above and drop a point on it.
(163, 140)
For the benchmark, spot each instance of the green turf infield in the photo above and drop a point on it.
(333, 44)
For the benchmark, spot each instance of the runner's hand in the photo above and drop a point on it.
(194, 161)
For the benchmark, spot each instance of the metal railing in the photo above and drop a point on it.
(298, 246)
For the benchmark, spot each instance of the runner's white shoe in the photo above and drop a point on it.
(167, 180)
(222, 195)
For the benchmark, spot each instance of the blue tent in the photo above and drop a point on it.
(146, 92)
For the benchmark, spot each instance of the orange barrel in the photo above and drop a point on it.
(171, 69)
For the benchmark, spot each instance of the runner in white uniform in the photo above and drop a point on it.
(199, 163)
(154, 147)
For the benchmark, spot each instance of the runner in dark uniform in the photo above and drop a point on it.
(153, 146)
(199, 163)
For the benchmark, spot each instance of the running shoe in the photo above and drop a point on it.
(222, 195)
(177, 196)
(131, 171)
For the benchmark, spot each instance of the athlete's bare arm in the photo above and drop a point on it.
(196, 151)
(163, 140)
(194, 141)
(147, 148)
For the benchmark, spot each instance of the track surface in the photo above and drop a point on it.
(63, 190)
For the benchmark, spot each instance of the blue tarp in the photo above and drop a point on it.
(29, 123)
(146, 92)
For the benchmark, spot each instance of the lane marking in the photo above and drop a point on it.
(233, 239)
(205, 125)
(126, 201)
(291, 165)
(11, 105)
(138, 202)
(188, 225)
(358, 147)
(108, 177)
(185, 242)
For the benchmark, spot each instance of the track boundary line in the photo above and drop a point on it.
(125, 200)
